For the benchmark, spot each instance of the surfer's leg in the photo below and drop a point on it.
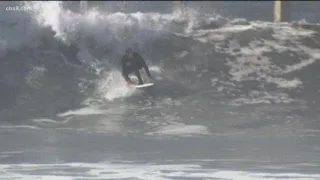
(137, 73)
(125, 75)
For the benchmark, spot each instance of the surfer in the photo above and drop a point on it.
(133, 62)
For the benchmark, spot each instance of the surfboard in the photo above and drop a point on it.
(143, 85)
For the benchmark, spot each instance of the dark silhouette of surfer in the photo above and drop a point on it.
(132, 62)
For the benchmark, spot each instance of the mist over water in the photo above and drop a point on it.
(236, 96)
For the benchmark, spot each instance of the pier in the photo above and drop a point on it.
(83, 6)
(281, 11)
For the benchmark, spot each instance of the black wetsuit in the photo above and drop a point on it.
(133, 64)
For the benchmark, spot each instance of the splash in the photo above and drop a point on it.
(113, 86)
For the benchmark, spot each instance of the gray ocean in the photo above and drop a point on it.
(236, 96)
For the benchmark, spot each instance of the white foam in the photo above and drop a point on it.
(109, 125)
(181, 54)
(249, 61)
(262, 97)
(18, 126)
(155, 69)
(250, 64)
(113, 86)
(284, 83)
(33, 76)
(131, 170)
(211, 37)
(182, 130)
(48, 13)
(279, 47)
(234, 28)
(25, 27)
(83, 112)
(9, 153)
(286, 32)
(104, 27)
(298, 66)
(49, 121)
(313, 54)
(220, 34)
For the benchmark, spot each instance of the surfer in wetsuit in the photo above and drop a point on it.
(133, 62)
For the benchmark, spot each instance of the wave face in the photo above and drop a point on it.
(217, 75)
(53, 57)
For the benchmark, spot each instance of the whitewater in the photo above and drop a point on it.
(236, 96)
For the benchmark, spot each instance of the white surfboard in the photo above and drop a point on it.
(143, 85)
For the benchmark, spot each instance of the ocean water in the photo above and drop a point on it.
(236, 96)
